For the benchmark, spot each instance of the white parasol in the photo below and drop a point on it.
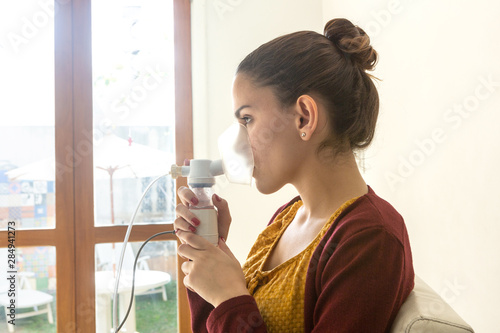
(114, 157)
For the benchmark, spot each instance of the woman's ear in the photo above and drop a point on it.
(307, 119)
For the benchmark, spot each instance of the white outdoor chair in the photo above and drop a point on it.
(27, 298)
(104, 255)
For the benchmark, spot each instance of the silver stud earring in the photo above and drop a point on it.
(303, 134)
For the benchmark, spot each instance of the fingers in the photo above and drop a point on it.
(224, 216)
(193, 246)
(187, 252)
(186, 220)
(192, 243)
(186, 268)
(187, 196)
(223, 246)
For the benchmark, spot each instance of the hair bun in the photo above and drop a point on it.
(352, 41)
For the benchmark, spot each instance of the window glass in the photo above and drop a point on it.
(27, 155)
(32, 281)
(133, 111)
(155, 302)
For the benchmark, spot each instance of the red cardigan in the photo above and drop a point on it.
(359, 276)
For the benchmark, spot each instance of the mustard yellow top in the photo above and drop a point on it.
(279, 293)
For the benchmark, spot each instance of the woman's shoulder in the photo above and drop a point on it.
(370, 212)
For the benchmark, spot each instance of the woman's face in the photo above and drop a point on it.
(273, 134)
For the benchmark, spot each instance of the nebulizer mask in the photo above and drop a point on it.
(236, 164)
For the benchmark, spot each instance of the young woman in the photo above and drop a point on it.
(335, 259)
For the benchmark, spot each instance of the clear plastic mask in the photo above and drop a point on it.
(237, 155)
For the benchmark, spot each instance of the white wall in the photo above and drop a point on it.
(435, 155)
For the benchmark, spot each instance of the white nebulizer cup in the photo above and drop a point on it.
(206, 213)
(237, 164)
(201, 180)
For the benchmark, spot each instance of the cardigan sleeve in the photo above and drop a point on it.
(360, 284)
(200, 310)
(238, 314)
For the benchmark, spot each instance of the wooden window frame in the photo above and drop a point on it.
(75, 234)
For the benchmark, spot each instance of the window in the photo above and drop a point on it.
(66, 97)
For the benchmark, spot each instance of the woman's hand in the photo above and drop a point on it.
(187, 221)
(212, 272)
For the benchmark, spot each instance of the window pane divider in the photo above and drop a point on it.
(33, 237)
(183, 127)
(139, 233)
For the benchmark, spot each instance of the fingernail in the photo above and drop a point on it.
(193, 229)
(194, 201)
(217, 198)
(195, 221)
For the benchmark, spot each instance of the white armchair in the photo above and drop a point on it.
(27, 298)
(425, 311)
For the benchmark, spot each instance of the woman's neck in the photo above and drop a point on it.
(324, 187)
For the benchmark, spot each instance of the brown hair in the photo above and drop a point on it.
(331, 66)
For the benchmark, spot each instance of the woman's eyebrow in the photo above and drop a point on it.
(237, 112)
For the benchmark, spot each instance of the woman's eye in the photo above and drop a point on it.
(246, 119)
